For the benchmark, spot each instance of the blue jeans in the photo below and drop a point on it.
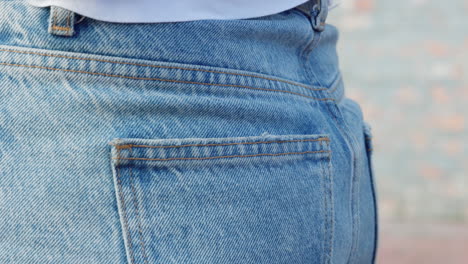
(213, 141)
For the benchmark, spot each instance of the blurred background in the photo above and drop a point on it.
(406, 63)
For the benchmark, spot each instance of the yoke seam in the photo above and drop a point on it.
(167, 67)
(166, 80)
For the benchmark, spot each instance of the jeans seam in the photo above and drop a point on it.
(331, 210)
(328, 233)
(369, 148)
(356, 224)
(325, 205)
(225, 157)
(335, 83)
(165, 80)
(344, 134)
(222, 144)
(169, 67)
(310, 47)
(137, 212)
(124, 209)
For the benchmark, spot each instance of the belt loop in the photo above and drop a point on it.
(317, 10)
(61, 22)
(320, 12)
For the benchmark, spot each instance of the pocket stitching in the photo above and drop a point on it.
(328, 200)
(131, 146)
(137, 212)
(223, 157)
(326, 186)
(222, 144)
(124, 211)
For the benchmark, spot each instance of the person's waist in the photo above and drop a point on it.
(271, 47)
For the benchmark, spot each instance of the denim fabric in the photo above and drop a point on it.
(198, 142)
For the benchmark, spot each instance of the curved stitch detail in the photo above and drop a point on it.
(335, 83)
(165, 80)
(165, 67)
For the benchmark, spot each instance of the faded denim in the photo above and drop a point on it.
(197, 142)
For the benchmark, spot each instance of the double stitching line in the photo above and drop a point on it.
(124, 209)
(165, 80)
(329, 210)
(133, 190)
(158, 66)
(131, 146)
(221, 144)
(230, 156)
(165, 67)
(137, 212)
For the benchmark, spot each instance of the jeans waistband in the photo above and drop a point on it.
(282, 46)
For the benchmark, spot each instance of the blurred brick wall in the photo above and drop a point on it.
(406, 63)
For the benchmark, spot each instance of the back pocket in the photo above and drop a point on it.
(259, 199)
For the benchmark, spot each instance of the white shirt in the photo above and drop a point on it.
(151, 11)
